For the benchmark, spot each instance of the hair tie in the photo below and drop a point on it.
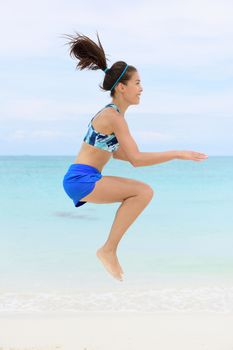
(106, 69)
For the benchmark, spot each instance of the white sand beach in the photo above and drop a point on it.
(118, 331)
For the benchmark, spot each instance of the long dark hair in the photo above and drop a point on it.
(92, 56)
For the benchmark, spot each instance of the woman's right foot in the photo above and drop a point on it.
(110, 262)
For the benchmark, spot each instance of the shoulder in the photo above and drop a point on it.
(119, 123)
(111, 112)
(115, 117)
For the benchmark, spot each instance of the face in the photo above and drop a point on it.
(132, 90)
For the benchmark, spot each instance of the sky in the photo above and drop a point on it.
(183, 53)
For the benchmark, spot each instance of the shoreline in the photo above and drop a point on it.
(213, 299)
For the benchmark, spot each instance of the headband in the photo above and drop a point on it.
(106, 69)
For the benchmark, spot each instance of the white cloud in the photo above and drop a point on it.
(177, 32)
(81, 111)
(182, 49)
(43, 109)
(35, 135)
(169, 101)
(150, 136)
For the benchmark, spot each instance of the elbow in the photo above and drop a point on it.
(135, 161)
(134, 164)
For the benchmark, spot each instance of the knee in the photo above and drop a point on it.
(147, 192)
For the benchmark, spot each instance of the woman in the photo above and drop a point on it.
(108, 135)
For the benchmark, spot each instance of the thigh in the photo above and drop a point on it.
(110, 189)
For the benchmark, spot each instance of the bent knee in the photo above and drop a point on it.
(147, 191)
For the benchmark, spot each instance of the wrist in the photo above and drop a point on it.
(176, 154)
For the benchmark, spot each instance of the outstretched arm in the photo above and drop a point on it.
(147, 158)
(130, 152)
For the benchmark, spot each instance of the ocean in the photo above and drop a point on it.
(177, 255)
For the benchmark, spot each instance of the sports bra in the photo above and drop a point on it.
(107, 142)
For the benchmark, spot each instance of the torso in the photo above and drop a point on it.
(94, 156)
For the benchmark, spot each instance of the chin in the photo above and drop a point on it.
(135, 102)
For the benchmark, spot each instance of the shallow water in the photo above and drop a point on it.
(178, 251)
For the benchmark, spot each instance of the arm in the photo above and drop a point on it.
(120, 154)
(130, 148)
(147, 157)
(151, 158)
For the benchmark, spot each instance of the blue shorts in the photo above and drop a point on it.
(79, 181)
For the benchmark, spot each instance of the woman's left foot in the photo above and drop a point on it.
(110, 262)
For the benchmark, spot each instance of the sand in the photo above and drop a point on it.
(117, 331)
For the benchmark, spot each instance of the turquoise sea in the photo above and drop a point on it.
(177, 255)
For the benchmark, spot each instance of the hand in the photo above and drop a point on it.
(191, 155)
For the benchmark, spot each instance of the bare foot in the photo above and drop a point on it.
(120, 268)
(110, 262)
(122, 272)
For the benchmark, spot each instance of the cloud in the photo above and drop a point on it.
(177, 32)
(150, 136)
(35, 135)
(183, 51)
(42, 109)
(169, 101)
(152, 101)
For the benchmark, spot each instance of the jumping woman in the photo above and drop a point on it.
(108, 135)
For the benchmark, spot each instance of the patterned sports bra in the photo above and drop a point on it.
(103, 141)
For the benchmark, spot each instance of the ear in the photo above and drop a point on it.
(121, 87)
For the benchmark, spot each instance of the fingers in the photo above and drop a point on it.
(191, 155)
(200, 156)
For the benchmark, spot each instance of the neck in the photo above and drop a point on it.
(121, 104)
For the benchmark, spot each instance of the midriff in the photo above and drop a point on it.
(93, 156)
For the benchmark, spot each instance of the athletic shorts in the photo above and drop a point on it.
(79, 181)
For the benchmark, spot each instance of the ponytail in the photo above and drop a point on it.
(92, 56)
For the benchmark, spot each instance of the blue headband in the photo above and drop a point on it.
(106, 69)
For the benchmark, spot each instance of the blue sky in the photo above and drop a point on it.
(183, 52)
